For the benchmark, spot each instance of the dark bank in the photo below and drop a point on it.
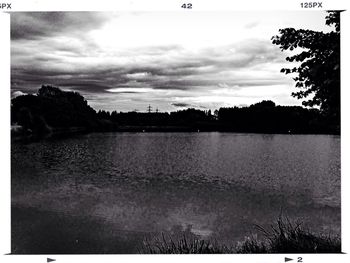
(53, 111)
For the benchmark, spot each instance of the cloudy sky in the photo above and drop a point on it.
(127, 60)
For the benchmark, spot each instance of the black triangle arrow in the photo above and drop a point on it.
(287, 259)
(50, 260)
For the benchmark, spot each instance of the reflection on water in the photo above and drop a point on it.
(104, 193)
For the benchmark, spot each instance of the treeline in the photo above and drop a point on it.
(266, 117)
(191, 118)
(52, 109)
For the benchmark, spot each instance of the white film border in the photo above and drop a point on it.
(161, 6)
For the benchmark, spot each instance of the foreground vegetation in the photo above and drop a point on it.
(283, 237)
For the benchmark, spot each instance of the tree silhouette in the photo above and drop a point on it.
(53, 110)
(319, 72)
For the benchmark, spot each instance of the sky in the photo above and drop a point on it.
(126, 61)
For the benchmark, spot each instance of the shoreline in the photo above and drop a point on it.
(18, 135)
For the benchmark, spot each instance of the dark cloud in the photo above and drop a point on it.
(33, 25)
(126, 92)
(159, 76)
(182, 105)
(187, 105)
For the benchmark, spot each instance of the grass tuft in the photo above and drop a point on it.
(183, 245)
(288, 237)
(282, 237)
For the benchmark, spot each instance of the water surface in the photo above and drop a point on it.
(106, 192)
